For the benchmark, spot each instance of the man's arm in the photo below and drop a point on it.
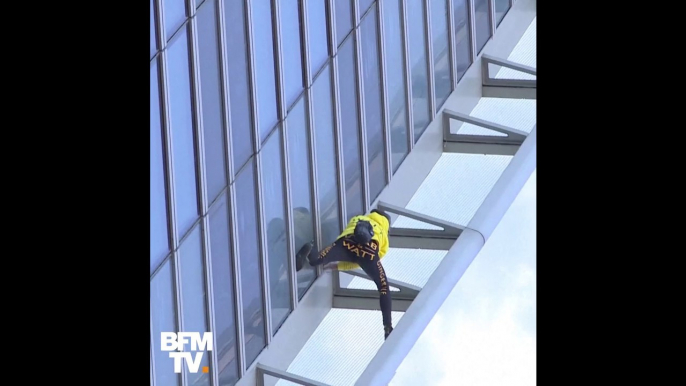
(383, 248)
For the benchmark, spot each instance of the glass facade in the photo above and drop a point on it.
(236, 180)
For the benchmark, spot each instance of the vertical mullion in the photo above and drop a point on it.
(491, 13)
(332, 28)
(226, 97)
(339, 141)
(384, 92)
(240, 344)
(179, 305)
(430, 58)
(314, 187)
(152, 356)
(361, 109)
(262, 247)
(472, 29)
(283, 110)
(408, 76)
(257, 143)
(286, 178)
(280, 80)
(451, 44)
(305, 44)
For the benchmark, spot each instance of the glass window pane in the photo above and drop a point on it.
(344, 19)
(239, 82)
(222, 286)
(483, 24)
(325, 167)
(277, 237)
(198, 3)
(372, 106)
(439, 31)
(347, 80)
(174, 15)
(501, 8)
(182, 133)
(301, 185)
(317, 34)
(265, 80)
(249, 253)
(395, 83)
(290, 49)
(363, 6)
(418, 67)
(163, 320)
(212, 117)
(193, 296)
(159, 235)
(462, 43)
(153, 31)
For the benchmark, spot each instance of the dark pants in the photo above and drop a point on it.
(367, 257)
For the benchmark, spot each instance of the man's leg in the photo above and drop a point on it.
(333, 253)
(374, 269)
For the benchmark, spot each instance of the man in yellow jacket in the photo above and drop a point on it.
(362, 244)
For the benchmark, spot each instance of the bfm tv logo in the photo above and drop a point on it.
(175, 344)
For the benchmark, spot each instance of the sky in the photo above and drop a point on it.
(485, 331)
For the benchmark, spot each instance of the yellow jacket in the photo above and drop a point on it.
(380, 225)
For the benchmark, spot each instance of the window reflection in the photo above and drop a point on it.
(248, 250)
(239, 82)
(347, 80)
(441, 54)
(395, 84)
(327, 180)
(483, 24)
(462, 43)
(373, 112)
(317, 34)
(182, 133)
(263, 46)
(277, 236)
(193, 297)
(212, 115)
(174, 15)
(418, 67)
(300, 188)
(163, 320)
(344, 16)
(222, 286)
(501, 8)
(290, 50)
(159, 236)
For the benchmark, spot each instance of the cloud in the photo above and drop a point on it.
(485, 332)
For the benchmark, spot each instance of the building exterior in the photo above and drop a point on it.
(272, 122)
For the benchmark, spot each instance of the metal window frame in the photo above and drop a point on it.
(361, 108)
(471, 12)
(492, 17)
(430, 60)
(381, 44)
(408, 75)
(451, 46)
